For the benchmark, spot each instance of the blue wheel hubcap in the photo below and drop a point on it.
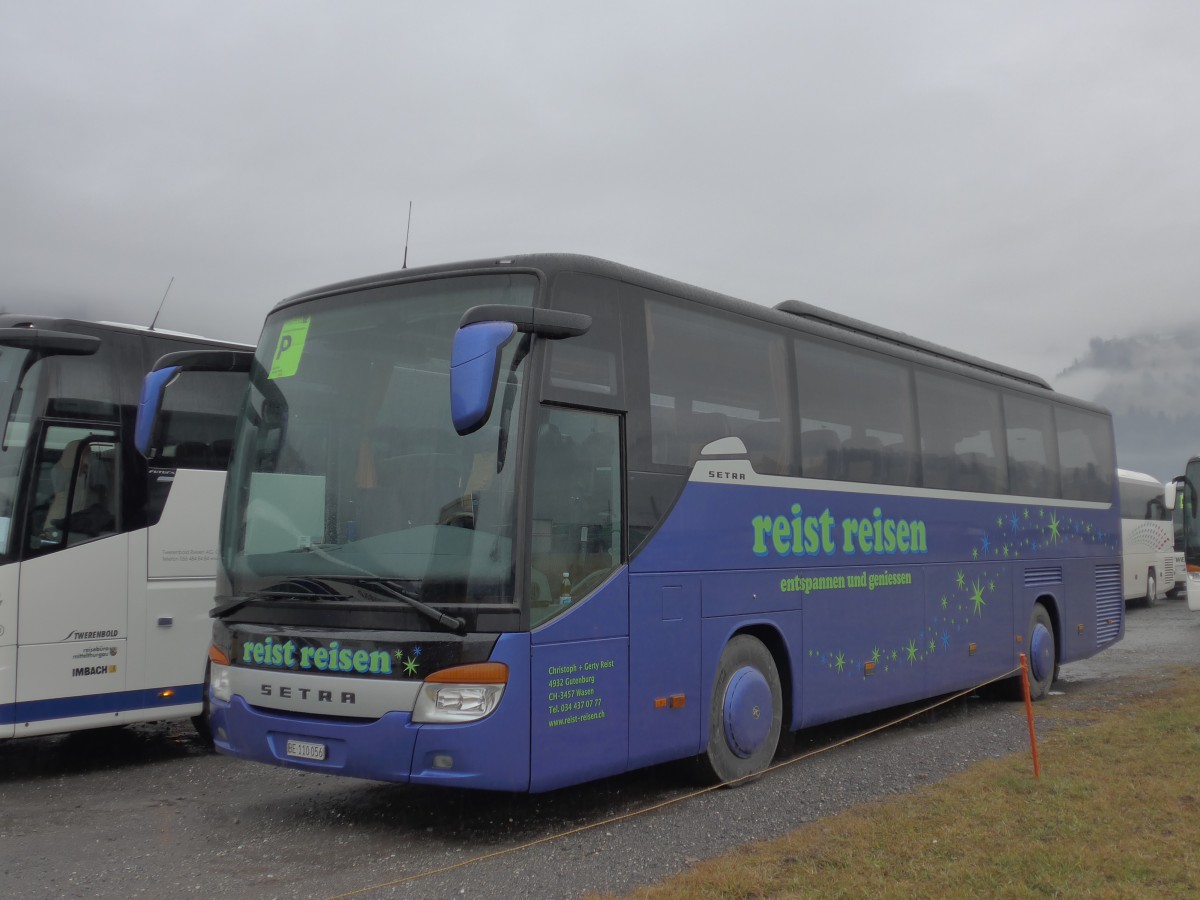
(1041, 659)
(747, 711)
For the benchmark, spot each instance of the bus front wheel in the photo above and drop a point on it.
(203, 722)
(1151, 588)
(745, 713)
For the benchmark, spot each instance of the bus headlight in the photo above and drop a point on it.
(460, 694)
(218, 681)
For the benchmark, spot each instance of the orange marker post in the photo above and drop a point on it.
(1037, 769)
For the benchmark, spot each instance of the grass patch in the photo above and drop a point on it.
(1116, 813)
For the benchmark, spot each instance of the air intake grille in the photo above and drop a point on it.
(1043, 576)
(1110, 605)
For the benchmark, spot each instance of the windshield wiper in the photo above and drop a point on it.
(236, 603)
(454, 623)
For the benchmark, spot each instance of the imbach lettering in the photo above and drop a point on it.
(333, 658)
(822, 535)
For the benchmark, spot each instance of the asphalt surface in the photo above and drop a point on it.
(149, 811)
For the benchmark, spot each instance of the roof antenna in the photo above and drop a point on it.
(407, 231)
(162, 301)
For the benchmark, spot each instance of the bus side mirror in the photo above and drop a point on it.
(475, 359)
(154, 386)
(156, 382)
(474, 372)
(40, 344)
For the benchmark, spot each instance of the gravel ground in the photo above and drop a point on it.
(148, 811)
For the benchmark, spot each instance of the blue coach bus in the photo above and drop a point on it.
(519, 523)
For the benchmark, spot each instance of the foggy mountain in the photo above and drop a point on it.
(1149, 382)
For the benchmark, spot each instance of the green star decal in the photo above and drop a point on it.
(974, 555)
(410, 666)
(960, 580)
(840, 661)
(398, 655)
(1054, 523)
(875, 654)
(932, 645)
(977, 598)
(911, 651)
(943, 601)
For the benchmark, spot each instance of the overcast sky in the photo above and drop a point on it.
(1011, 179)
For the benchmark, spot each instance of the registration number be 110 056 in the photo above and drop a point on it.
(306, 750)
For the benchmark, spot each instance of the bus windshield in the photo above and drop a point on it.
(1191, 515)
(348, 465)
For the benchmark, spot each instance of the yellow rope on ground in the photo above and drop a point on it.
(665, 803)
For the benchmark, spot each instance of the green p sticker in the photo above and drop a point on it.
(290, 348)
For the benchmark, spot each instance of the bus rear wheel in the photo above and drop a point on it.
(1151, 588)
(745, 714)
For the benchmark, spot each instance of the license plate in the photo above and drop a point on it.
(305, 750)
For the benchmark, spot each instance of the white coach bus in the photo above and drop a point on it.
(1147, 537)
(107, 560)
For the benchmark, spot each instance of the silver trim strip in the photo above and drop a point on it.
(741, 472)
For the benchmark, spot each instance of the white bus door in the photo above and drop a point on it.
(72, 625)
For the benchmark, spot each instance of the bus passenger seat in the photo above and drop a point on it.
(976, 472)
(899, 464)
(821, 454)
(766, 445)
(864, 459)
(1028, 479)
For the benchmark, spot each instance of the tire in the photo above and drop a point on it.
(745, 713)
(1042, 655)
(1151, 588)
(203, 722)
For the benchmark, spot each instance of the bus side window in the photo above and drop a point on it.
(1086, 454)
(76, 488)
(576, 508)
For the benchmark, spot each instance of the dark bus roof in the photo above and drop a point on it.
(60, 323)
(792, 314)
